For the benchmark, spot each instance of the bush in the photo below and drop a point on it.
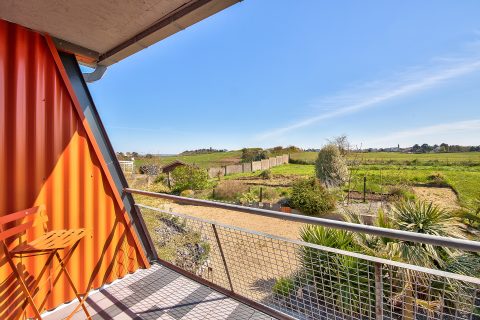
(331, 167)
(266, 174)
(159, 187)
(269, 193)
(283, 287)
(401, 193)
(187, 177)
(187, 193)
(437, 179)
(229, 190)
(311, 198)
(248, 197)
(161, 178)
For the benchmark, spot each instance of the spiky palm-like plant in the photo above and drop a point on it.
(425, 218)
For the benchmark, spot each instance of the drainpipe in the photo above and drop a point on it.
(97, 74)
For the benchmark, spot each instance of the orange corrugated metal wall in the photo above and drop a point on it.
(47, 158)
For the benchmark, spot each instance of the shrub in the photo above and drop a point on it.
(331, 167)
(187, 177)
(401, 193)
(310, 197)
(187, 193)
(229, 190)
(437, 179)
(161, 178)
(266, 174)
(248, 197)
(283, 287)
(159, 187)
(269, 193)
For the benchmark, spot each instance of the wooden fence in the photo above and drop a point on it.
(248, 166)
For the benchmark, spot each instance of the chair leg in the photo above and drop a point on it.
(22, 285)
(37, 281)
(57, 277)
(69, 279)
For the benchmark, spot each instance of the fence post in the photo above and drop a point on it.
(261, 194)
(223, 256)
(378, 291)
(364, 189)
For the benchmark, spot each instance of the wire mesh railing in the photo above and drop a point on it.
(308, 281)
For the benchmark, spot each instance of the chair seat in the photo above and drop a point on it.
(52, 240)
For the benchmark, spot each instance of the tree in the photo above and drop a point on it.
(342, 144)
(189, 178)
(253, 154)
(331, 167)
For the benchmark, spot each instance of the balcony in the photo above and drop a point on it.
(210, 270)
(159, 293)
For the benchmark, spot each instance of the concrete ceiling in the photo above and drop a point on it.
(107, 31)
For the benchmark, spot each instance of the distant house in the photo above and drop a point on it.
(172, 165)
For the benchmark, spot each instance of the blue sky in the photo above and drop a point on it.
(277, 72)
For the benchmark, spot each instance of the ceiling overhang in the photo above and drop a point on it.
(105, 32)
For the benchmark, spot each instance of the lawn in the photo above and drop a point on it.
(207, 160)
(463, 158)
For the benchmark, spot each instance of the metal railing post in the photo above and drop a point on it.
(223, 256)
(378, 291)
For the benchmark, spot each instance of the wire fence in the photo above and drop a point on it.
(307, 281)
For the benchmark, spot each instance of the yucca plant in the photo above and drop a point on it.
(426, 218)
(340, 280)
(343, 281)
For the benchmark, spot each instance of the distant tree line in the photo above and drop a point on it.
(202, 151)
(443, 148)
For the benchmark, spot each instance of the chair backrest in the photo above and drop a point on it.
(24, 220)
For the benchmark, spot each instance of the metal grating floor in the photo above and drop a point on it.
(159, 293)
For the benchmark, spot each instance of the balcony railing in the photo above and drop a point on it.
(307, 281)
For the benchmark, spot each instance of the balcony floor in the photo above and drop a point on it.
(160, 293)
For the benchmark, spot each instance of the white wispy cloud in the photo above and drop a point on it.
(433, 131)
(372, 94)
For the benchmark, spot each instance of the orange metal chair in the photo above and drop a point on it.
(49, 243)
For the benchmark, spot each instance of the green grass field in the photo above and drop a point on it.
(464, 180)
(382, 169)
(202, 160)
(464, 158)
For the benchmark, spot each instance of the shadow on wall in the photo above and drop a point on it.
(48, 158)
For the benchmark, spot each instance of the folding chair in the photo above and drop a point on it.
(49, 244)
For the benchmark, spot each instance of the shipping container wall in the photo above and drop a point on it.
(47, 157)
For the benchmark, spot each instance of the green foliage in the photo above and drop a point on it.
(337, 272)
(161, 178)
(248, 197)
(269, 193)
(283, 287)
(331, 167)
(311, 198)
(254, 154)
(437, 179)
(401, 192)
(188, 177)
(471, 214)
(266, 174)
(158, 187)
(187, 193)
